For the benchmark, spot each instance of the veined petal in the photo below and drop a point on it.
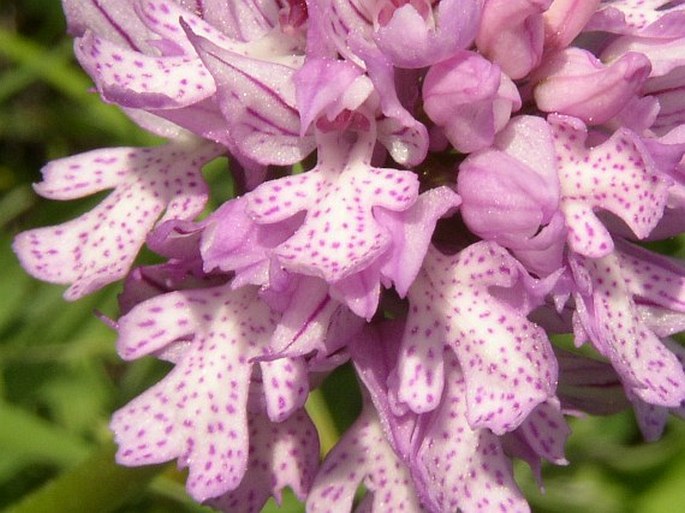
(115, 20)
(302, 328)
(164, 18)
(320, 83)
(281, 454)
(404, 137)
(98, 247)
(244, 20)
(344, 21)
(511, 34)
(257, 99)
(232, 241)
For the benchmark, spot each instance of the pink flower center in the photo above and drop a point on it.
(293, 15)
(386, 9)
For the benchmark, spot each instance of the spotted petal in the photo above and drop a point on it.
(653, 278)
(545, 431)
(135, 80)
(198, 412)
(507, 360)
(457, 467)
(363, 455)
(648, 17)
(286, 386)
(609, 316)
(618, 175)
(281, 454)
(340, 235)
(98, 247)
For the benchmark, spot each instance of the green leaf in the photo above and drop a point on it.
(36, 440)
(96, 485)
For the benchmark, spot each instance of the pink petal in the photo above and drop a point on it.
(320, 84)
(344, 21)
(457, 467)
(116, 21)
(508, 363)
(618, 175)
(663, 54)
(132, 79)
(257, 98)
(286, 386)
(646, 367)
(652, 277)
(402, 135)
(511, 34)
(363, 455)
(163, 17)
(340, 234)
(198, 412)
(411, 232)
(565, 19)
(244, 20)
(634, 17)
(420, 365)
(305, 320)
(98, 247)
(546, 432)
(574, 82)
(281, 454)
(410, 42)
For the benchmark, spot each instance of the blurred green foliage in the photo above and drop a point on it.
(60, 377)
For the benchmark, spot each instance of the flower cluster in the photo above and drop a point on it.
(430, 189)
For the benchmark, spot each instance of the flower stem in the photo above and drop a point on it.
(321, 415)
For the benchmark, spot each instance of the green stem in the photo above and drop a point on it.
(321, 415)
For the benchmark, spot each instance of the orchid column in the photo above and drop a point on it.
(431, 191)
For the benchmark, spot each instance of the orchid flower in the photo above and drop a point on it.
(433, 191)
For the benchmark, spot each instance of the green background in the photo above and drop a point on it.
(60, 377)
